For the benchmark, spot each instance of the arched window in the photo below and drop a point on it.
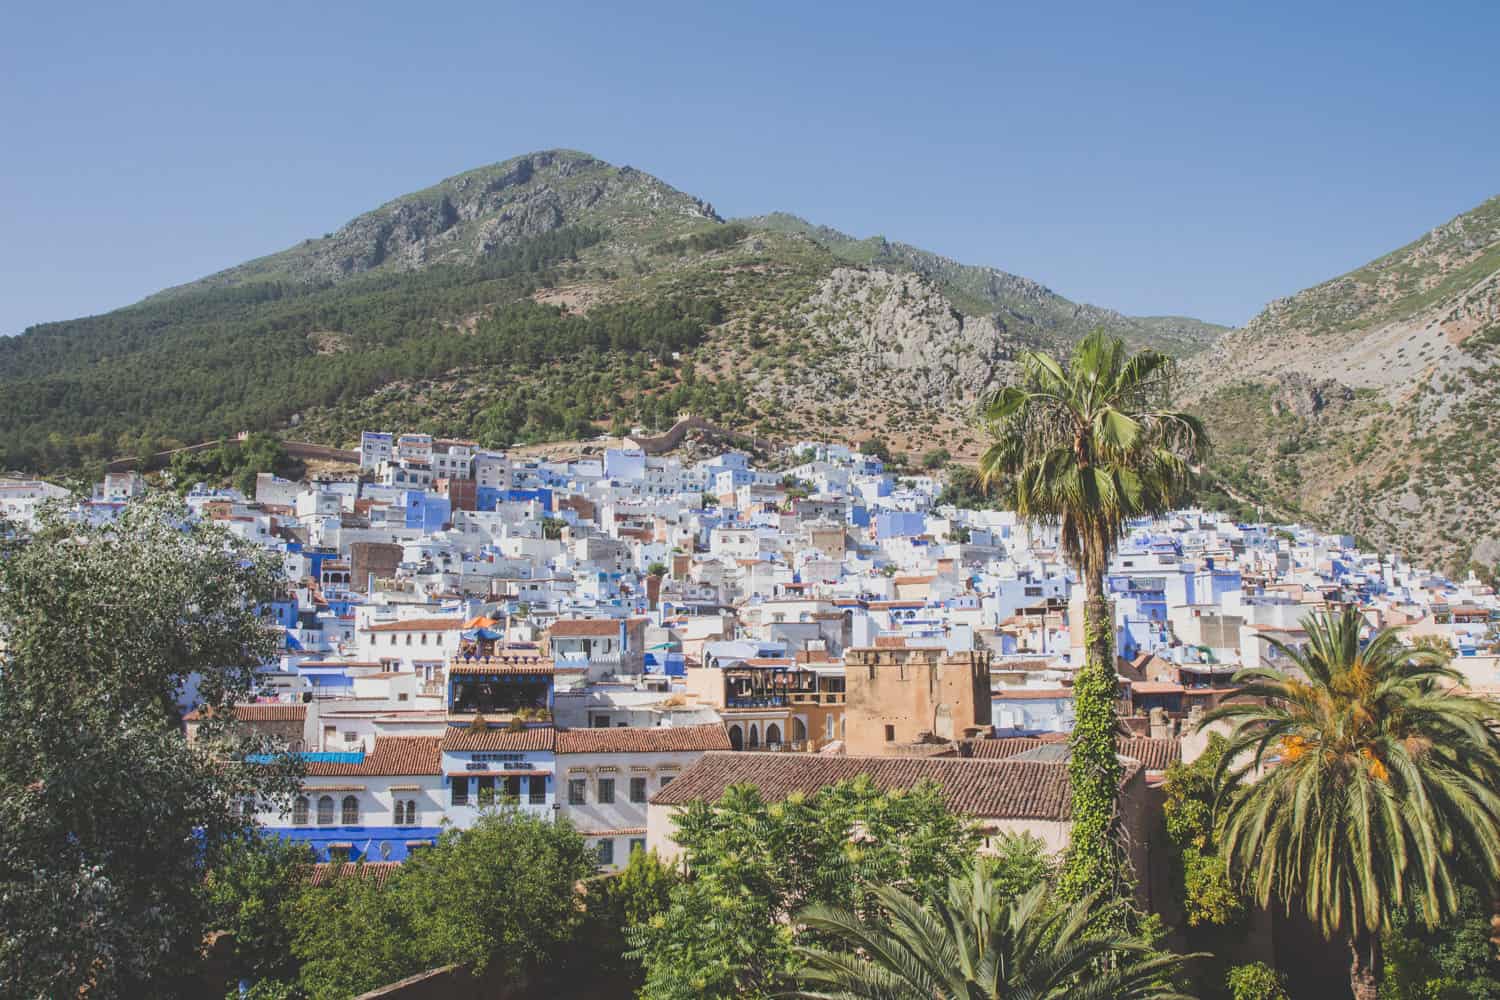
(299, 811)
(400, 812)
(351, 811)
(754, 736)
(736, 738)
(799, 731)
(325, 810)
(773, 735)
(411, 811)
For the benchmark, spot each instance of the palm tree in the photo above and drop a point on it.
(978, 943)
(1380, 785)
(1089, 446)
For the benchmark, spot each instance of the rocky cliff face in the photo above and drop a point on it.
(900, 332)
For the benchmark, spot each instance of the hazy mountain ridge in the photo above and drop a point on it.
(1373, 400)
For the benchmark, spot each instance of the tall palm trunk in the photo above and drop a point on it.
(1364, 966)
(1094, 767)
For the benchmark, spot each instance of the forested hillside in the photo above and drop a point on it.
(550, 296)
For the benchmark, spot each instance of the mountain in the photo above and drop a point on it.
(1372, 401)
(546, 297)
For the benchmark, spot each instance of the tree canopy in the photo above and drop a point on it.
(112, 817)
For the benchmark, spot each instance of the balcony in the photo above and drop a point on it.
(756, 701)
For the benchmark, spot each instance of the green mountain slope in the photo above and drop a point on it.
(550, 296)
(1372, 401)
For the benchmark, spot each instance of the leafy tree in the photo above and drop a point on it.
(352, 934)
(975, 942)
(552, 527)
(876, 448)
(753, 865)
(615, 905)
(1016, 863)
(963, 487)
(1385, 793)
(1256, 981)
(1088, 446)
(505, 890)
(936, 458)
(502, 892)
(1456, 961)
(250, 892)
(657, 569)
(112, 818)
(1209, 896)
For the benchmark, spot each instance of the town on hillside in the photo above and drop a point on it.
(606, 639)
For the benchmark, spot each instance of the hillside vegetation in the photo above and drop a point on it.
(550, 296)
(1372, 402)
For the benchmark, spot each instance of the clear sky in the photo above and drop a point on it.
(1194, 158)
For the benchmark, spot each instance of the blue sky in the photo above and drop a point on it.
(1188, 158)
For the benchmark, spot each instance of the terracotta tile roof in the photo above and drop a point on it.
(1154, 754)
(1008, 746)
(374, 871)
(258, 713)
(1008, 789)
(643, 739)
(585, 628)
(392, 755)
(508, 664)
(466, 738)
(418, 625)
(1154, 687)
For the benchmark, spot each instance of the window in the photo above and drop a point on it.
(338, 855)
(299, 811)
(638, 789)
(408, 638)
(424, 638)
(890, 734)
(350, 811)
(666, 779)
(486, 791)
(828, 727)
(393, 640)
(537, 789)
(607, 851)
(385, 850)
(460, 795)
(606, 790)
(576, 791)
(325, 810)
(601, 722)
(637, 844)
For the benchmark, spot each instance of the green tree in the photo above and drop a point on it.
(975, 942)
(112, 818)
(1456, 961)
(1385, 792)
(615, 904)
(250, 892)
(503, 892)
(657, 569)
(1088, 446)
(753, 865)
(1256, 981)
(936, 458)
(1209, 896)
